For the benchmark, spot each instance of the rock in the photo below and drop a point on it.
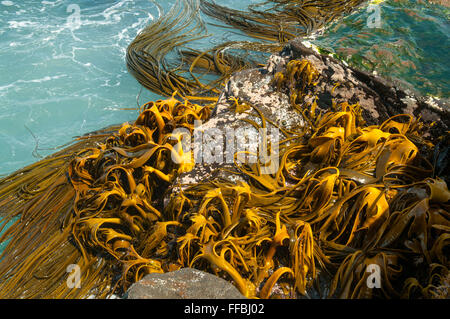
(186, 283)
(379, 99)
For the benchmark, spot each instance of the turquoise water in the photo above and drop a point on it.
(411, 44)
(5, 243)
(58, 80)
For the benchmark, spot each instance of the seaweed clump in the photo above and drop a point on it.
(347, 201)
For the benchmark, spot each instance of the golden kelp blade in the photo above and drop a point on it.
(196, 73)
(71, 219)
(191, 76)
(146, 55)
(347, 213)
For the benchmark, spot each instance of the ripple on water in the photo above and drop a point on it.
(61, 81)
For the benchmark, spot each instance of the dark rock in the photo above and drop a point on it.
(338, 83)
(186, 283)
(378, 97)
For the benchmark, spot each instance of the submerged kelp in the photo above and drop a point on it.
(347, 196)
(190, 75)
(37, 199)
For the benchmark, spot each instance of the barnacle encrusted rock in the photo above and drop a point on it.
(379, 100)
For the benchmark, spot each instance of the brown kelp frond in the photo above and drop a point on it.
(280, 20)
(147, 54)
(354, 276)
(197, 72)
(355, 203)
(105, 198)
(119, 186)
(436, 284)
(227, 58)
(35, 178)
(221, 61)
(26, 184)
(255, 26)
(350, 208)
(193, 75)
(36, 200)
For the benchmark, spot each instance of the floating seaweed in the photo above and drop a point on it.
(347, 196)
(280, 20)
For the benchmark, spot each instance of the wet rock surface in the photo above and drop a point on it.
(379, 98)
(186, 283)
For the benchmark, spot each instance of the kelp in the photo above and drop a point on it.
(37, 199)
(348, 201)
(280, 20)
(203, 73)
(324, 220)
(195, 73)
(105, 200)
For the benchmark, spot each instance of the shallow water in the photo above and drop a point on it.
(59, 80)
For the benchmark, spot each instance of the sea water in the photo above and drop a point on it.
(403, 40)
(58, 80)
(63, 71)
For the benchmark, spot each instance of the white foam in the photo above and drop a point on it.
(44, 79)
(21, 24)
(51, 3)
(7, 3)
(40, 80)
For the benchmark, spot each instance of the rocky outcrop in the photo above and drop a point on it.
(186, 283)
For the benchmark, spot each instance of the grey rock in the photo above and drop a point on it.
(186, 283)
